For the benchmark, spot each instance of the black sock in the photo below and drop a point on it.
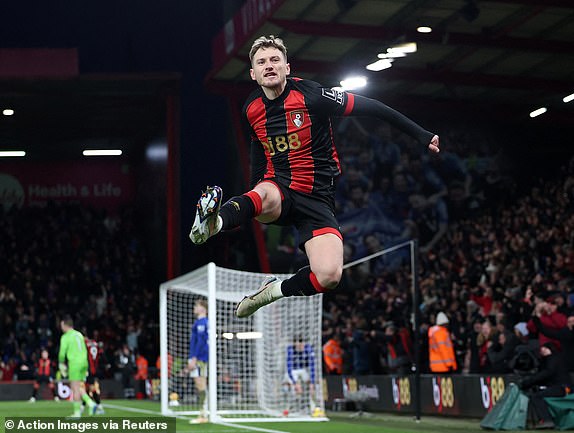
(299, 284)
(237, 211)
(96, 397)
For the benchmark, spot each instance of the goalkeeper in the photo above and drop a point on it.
(301, 370)
(198, 357)
(73, 364)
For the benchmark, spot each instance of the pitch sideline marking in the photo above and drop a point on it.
(151, 412)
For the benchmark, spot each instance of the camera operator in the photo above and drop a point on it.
(551, 380)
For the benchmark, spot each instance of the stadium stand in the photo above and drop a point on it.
(505, 249)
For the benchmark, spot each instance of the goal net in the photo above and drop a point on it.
(248, 368)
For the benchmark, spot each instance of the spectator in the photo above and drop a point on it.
(521, 332)
(429, 219)
(25, 370)
(398, 355)
(502, 351)
(483, 297)
(564, 335)
(132, 336)
(484, 340)
(473, 353)
(7, 370)
(551, 319)
(361, 358)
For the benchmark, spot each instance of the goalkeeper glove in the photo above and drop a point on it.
(63, 370)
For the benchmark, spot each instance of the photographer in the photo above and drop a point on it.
(551, 380)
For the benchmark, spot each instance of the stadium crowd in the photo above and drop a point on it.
(496, 257)
(66, 258)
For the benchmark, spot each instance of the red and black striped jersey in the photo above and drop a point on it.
(292, 137)
(94, 354)
(44, 367)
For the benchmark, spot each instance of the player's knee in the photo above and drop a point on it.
(270, 200)
(330, 278)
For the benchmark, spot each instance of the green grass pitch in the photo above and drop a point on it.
(340, 422)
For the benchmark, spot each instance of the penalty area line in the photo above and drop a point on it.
(226, 424)
(264, 430)
(138, 410)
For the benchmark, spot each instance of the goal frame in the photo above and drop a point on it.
(214, 415)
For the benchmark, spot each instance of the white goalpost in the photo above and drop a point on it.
(247, 368)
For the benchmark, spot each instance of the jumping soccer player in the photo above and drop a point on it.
(294, 168)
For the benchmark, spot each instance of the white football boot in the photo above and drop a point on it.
(269, 291)
(207, 221)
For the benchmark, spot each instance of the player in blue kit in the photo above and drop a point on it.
(301, 371)
(198, 357)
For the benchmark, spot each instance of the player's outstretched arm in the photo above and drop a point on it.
(363, 106)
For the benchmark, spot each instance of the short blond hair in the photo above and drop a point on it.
(266, 42)
(202, 303)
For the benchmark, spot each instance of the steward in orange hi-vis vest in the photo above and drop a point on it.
(333, 355)
(441, 352)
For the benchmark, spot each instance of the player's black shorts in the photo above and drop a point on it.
(91, 379)
(41, 378)
(311, 214)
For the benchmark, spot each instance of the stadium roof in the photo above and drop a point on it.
(57, 118)
(504, 56)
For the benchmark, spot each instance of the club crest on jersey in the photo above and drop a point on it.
(297, 117)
